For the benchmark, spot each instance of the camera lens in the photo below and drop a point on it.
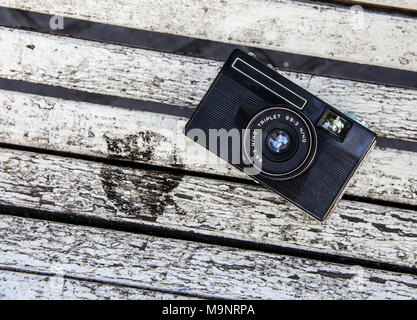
(278, 141)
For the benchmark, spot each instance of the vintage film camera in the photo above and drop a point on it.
(283, 136)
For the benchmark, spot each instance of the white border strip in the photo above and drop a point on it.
(233, 66)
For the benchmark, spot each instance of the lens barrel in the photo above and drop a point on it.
(280, 142)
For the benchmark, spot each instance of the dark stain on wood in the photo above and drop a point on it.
(351, 219)
(142, 247)
(410, 285)
(139, 146)
(404, 219)
(184, 196)
(229, 267)
(377, 280)
(335, 275)
(140, 196)
(384, 228)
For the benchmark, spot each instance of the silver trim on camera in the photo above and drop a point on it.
(348, 180)
(269, 89)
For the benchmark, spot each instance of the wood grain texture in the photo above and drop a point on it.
(189, 267)
(410, 5)
(291, 26)
(158, 139)
(207, 206)
(180, 80)
(27, 286)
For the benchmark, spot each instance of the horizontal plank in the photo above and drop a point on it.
(180, 80)
(158, 139)
(28, 286)
(210, 207)
(410, 5)
(189, 267)
(285, 25)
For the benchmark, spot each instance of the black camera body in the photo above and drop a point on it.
(283, 136)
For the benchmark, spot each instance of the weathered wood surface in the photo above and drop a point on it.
(135, 265)
(28, 286)
(401, 4)
(158, 139)
(207, 206)
(291, 26)
(188, 267)
(181, 80)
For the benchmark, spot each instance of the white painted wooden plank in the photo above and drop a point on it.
(402, 4)
(207, 206)
(189, 267)
(180, 80)
(314, 29)
(158, 139)
(27, 286)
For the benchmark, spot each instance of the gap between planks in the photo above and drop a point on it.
(183, 266)
(180, 80)
(41, 136)
(406, 5)
(157, 139)
(18, 285)
(83, 189)
(201, 59)
(290, 26)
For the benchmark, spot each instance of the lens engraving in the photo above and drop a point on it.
(288, 144)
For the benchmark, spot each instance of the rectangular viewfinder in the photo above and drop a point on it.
(269, 83)
(335, 124)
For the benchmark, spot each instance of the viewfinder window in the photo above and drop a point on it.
(335, 124)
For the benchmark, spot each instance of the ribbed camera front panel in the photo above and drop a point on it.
(316, 189)
(220, 110)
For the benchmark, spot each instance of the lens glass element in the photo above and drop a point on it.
(278, 141)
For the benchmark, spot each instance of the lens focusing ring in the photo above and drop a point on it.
(299, 150)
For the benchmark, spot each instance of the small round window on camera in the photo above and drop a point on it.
(335, 124)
